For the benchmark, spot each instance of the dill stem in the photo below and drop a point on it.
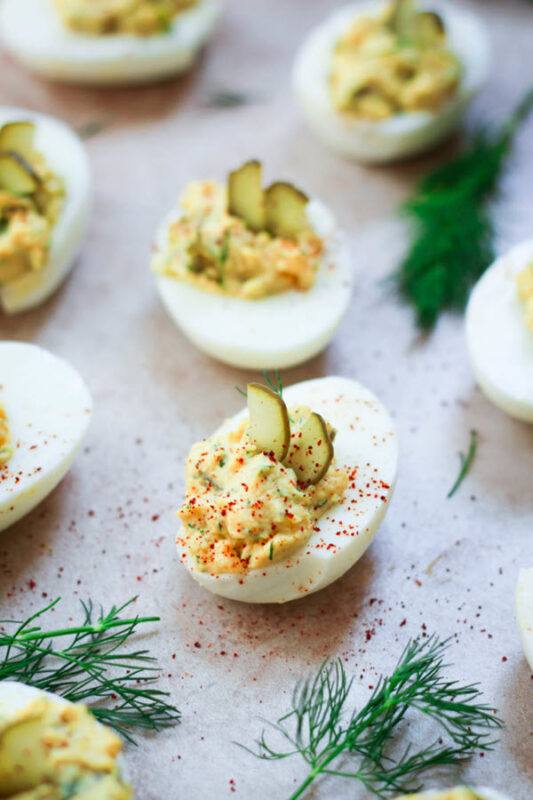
(317, 770)
(95, 629)
(389, 702)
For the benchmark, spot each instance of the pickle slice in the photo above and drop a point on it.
(429, 22)
(17, 137)
(286, 215)
(246, 198)
(16, 175)
(269, 421)
(311, 450)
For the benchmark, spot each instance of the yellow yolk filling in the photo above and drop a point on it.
(134, 17)
(524, 285)
(243, 509)
(27, 222)
(379, 70)
(215, 251)
(53, 751)
(6, 450)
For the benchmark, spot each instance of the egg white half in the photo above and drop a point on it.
(524, 611)
(365, 440)
(66, 156)
(48, 408)
(274, 332)
(15, 696)
(33, 32)
(400, 136)
(499, 343)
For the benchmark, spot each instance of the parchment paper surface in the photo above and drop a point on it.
(437, 565)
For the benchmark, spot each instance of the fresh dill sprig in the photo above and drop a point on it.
(466, 463)
(319, 729)
(452, 240)
(92, 666)
(273, 381)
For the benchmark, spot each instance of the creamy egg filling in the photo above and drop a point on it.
(393, 63)
(524, 285)
(134, 17)
(27, 221)
(6, 450)
(216, 251)
(245, 510)
(56, 751)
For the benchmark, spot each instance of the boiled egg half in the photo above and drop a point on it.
(402, 134)
(277, 329)
(48, 745)
(33, 31)
(524, 611)
(46, 409)
(65, 156)
(344, 455)
(499, 332)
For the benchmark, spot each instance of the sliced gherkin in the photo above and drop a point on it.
(246, 198)
(16, 175)
(311, 450)
(17, 137)
(286, 210)
(269, 421)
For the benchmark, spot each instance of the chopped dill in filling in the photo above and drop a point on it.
(108, 17)
(395, 62)
(31, 200)
(217, 251)
(243, 508)
(6, 450)
(524, 285)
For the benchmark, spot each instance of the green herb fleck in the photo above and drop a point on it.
(225, 98)
(165, 23)
(208, 480)
(222, 256)
(271, 551)
(330, 739)
(466, 463)
(92, 128)
(452, 239)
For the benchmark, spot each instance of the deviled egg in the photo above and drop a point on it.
(287, 495)
(255, 277)
(524, 611)
(45, 409)
(459, 793)
(499, 332)
(53, 749)
(45, 191)
(379, 81)
(104, 42)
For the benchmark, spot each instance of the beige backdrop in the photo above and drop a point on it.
(108, 531)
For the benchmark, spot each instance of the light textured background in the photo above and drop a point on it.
(108, 531)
